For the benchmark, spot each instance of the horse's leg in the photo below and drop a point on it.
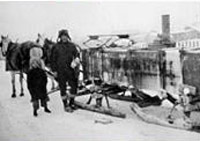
(13, 84)
(21, 83)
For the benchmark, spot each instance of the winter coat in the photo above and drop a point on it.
(62, 56)
(37, 81)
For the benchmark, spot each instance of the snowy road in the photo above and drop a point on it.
(18, 124)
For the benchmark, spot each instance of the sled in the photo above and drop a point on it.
(152, 119)
(99, 108)
(98, 96)
(103, 110)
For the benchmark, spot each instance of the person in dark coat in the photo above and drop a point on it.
(37, 81)
(64, 60)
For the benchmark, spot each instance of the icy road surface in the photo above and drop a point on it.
(18, 124)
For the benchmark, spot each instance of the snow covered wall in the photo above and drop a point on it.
(173, 76)
(191, 68)
(141, 68)
(145, 69)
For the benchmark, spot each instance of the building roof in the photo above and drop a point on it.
(189, 32)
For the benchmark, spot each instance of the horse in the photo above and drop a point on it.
(17, 60)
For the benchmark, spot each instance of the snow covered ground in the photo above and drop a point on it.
(18, 124)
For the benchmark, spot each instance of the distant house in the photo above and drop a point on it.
(189, 38)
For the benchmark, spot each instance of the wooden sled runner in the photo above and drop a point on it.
(178, 124)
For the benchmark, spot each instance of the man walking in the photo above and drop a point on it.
(64, 60)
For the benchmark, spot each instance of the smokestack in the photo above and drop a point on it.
(166, 27)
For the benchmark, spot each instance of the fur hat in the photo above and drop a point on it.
(64, 32)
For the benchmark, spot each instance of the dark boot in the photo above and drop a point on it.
(72, 104)
(35, 113)
(67, 108)
(46, 109)
(22, 94)
(13, 95)
(44, 104)
(65, 103)
(35, 107)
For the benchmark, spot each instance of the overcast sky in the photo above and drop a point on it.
(23, 20)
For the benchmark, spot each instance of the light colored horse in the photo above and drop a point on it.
(7, 44)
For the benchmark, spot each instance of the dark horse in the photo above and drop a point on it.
(47, 45)
(17, 59)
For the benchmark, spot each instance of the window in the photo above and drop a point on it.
(189, 44)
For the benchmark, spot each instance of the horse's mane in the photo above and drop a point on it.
(49, 41)
(47, 48)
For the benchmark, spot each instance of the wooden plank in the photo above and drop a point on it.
(178, 124)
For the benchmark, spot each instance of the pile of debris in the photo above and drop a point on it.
(144, 104)
(99, 89)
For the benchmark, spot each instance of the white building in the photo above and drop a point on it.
(189, 38)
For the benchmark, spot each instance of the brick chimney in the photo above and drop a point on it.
(166, 27)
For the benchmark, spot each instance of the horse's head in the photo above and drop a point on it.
(49, 42)
(40, 40)
(48, 45)
(5, 41)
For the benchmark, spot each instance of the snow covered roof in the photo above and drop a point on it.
(195, 26)
(117, 42)
(191, 31)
